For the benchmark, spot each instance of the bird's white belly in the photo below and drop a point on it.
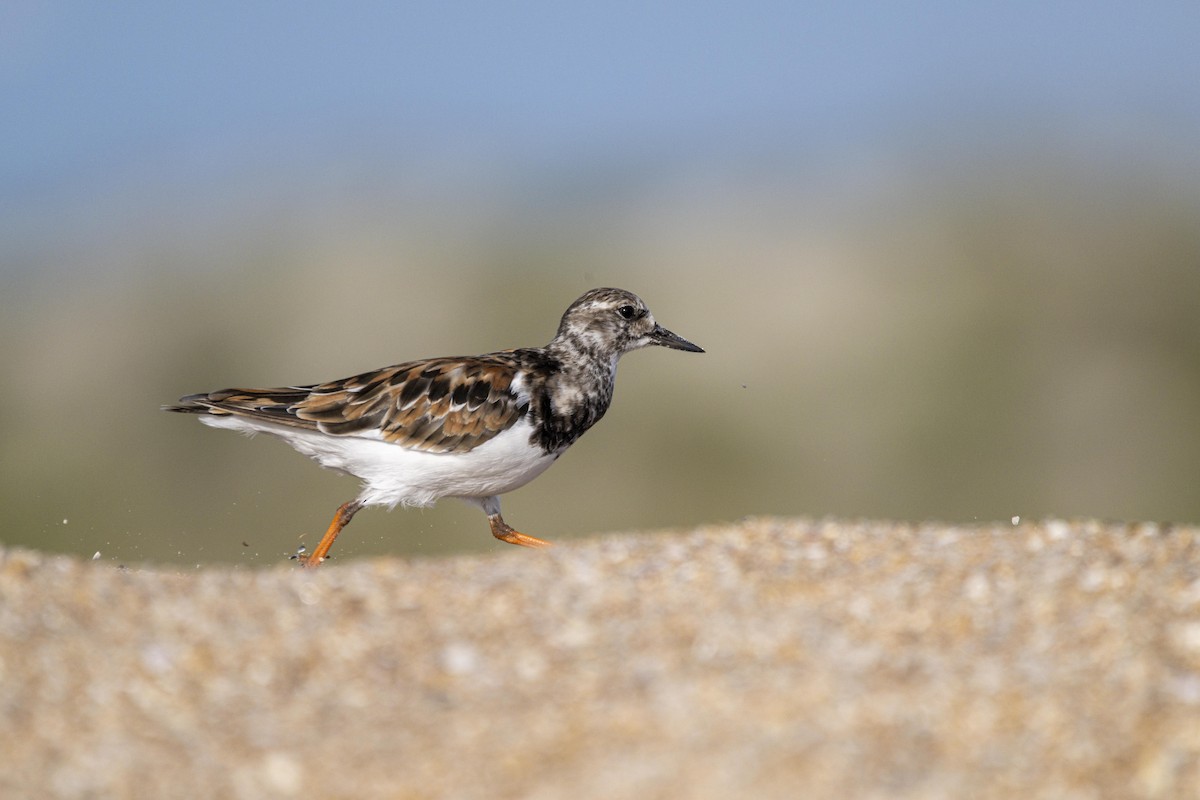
(393, 475)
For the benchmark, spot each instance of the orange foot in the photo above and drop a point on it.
(341, 519)
(505, 533)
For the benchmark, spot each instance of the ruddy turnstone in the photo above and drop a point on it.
(466, 427)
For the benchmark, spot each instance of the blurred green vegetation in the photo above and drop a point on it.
(1012, 336)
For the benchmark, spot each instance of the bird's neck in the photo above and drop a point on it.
(585, 365)
(577, 393)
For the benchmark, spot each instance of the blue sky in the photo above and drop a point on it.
(96, 92)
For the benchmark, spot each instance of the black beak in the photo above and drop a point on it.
(664, 337)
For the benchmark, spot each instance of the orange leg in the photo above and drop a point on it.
(504, 532)
(341, 519)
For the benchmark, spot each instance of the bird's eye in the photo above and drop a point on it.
(627, 312)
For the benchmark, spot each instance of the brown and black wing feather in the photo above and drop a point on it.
(437, 405)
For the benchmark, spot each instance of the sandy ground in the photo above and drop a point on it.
(773, 658)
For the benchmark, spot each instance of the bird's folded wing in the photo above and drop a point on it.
(438, 405)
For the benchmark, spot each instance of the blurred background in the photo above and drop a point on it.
(944, 257)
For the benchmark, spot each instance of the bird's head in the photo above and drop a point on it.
(612, 322)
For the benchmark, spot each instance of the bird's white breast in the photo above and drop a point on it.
(393, 475)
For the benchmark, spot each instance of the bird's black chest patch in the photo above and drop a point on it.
(555, 432)
(567, 400)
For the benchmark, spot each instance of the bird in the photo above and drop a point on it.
(466, 427)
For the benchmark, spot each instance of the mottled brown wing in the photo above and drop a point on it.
(437, 405)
